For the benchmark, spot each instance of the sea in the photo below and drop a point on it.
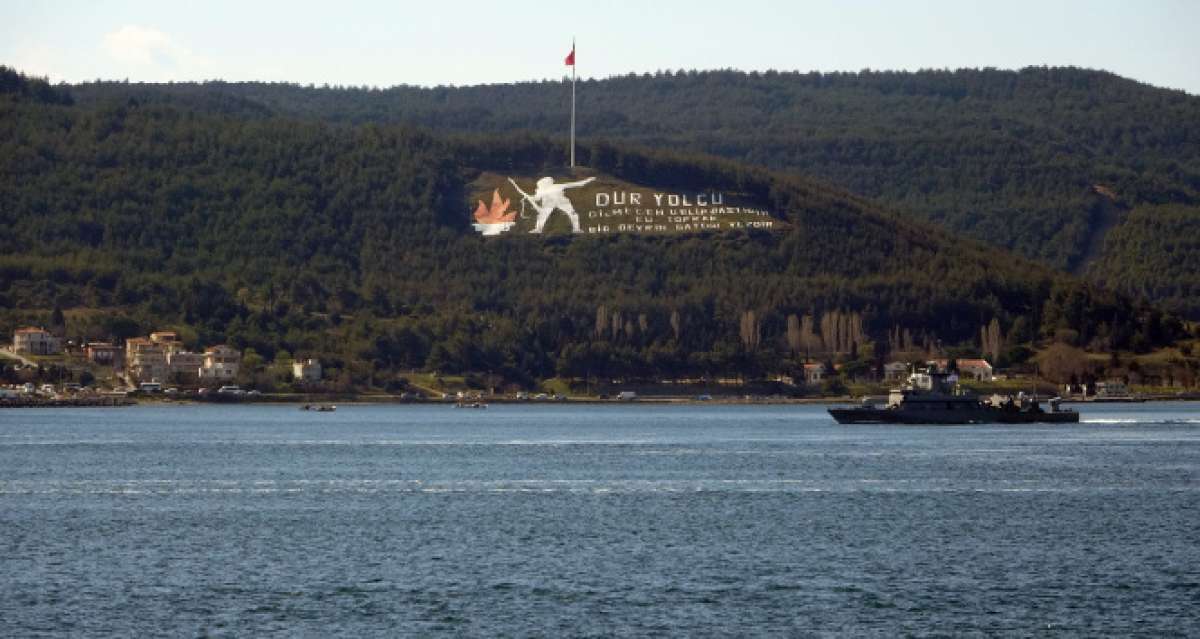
(594, 521)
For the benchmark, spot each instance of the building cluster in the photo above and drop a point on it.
(976, 369)
(162, 357)
(816, 373)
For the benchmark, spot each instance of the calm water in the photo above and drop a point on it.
(594, 521)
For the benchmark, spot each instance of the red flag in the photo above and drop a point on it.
(571, 57)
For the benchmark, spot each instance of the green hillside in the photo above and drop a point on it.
(355, 244)
(1008, 157)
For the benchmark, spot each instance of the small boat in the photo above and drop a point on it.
(470, 405)
(320, 408)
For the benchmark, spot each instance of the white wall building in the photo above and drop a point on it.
(35, 341)
(307, 371)
(814, 373)
(977, 369)
(895, 371)
(221, 364)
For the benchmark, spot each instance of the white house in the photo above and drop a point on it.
(146, 360)
(895, 371)
(35, 341)
(977, 369)
(307, 371)
(221, 363)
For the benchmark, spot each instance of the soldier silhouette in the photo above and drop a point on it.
(550, 196)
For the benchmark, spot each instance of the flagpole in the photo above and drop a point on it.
(572, 104)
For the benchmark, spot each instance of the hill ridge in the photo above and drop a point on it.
(355, 244)
(1004, 156)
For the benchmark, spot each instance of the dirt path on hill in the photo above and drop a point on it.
(8, 352)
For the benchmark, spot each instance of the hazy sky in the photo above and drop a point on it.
(452, 42)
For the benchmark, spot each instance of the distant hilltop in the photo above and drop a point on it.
(361, 246)
(1003, 156)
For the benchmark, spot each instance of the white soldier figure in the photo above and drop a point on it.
(550, 196)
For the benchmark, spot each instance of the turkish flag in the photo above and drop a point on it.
(571, 57)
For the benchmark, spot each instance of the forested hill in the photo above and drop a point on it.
(1013, 158)
(355, 244)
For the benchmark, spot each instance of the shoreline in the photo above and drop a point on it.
(367, 400)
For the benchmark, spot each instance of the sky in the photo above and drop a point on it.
(453, 42)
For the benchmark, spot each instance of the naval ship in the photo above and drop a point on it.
(933, 398)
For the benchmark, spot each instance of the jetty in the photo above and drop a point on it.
(66, 402)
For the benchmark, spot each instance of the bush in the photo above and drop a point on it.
(834, 386)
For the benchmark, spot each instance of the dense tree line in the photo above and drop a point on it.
(18, 85)
(1008, 157)
(301, 237)
(1155, 253)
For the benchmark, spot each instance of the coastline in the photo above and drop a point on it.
(372, 399)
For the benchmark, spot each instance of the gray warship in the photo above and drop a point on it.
(933, 398)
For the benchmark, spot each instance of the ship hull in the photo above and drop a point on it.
(964, 416)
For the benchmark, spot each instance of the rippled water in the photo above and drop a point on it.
(594, 521)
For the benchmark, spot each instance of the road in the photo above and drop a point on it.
(7, 351)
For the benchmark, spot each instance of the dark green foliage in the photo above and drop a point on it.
(352, 243)
(1008, 157)
(1155, 253)
(16, 85)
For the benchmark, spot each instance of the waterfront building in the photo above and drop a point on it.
(102, 353)
(146, 360)
(814, 373)
(977, 369)
(895, 371)
(185, 364)
(1112, 388)
(35, 341)
(307, 371)
(221, 363)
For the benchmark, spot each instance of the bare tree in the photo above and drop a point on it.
(601, 321)
(1060, 362)
(794, 337)
(751, 330)
(991, 340)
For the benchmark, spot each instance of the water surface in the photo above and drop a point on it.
(595, 521)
